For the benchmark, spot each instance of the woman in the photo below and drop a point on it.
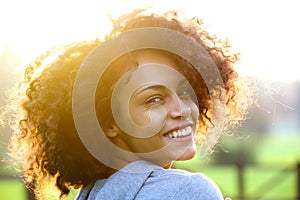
(110, 116)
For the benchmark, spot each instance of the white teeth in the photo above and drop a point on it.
(180, 133)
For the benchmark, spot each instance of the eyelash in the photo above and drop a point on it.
(153, 100)
(185, 93)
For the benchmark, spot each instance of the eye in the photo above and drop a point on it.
(184, 93)
(154, 100)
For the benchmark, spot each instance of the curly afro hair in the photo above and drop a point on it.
(45, 141)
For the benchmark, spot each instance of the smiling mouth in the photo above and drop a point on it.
(180, 133)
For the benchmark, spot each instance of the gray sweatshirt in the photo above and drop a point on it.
(142, 180)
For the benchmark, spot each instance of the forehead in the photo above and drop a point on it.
(155, 56)
(152, 67)
(133, 60)
(151, 74)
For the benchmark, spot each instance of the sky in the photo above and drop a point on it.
(265, 32)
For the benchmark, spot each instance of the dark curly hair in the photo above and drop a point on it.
(45, 140)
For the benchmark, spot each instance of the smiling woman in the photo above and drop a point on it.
(160, 104)
(111, 116)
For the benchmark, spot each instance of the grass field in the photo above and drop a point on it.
(273, 176)
(12, 190)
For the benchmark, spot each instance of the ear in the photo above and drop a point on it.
(113, 131)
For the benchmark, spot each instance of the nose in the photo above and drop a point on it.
(178, 108)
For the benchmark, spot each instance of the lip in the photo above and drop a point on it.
(180, 139)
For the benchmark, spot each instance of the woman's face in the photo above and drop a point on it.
(153, 107)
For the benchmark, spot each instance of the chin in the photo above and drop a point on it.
(188, 154)
(177, 153)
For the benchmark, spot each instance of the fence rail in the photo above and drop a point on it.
(298, 181)
(267, 185)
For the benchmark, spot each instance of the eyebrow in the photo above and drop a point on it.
(155, 86)
(149, 87)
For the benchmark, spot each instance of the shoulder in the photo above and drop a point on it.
(157, 183)
(179, 184)
(90, 191)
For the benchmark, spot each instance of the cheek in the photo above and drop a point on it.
(154, 117)
(146, 122)
(140, 117)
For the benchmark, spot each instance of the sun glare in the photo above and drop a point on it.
(266, 38)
